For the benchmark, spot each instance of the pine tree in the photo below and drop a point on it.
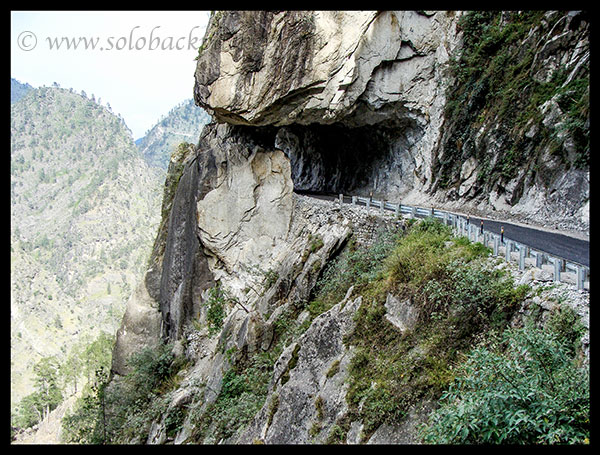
(47, 384)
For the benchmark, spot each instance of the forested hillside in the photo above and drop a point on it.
(84, 209)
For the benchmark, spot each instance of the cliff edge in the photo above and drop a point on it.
(346, 103)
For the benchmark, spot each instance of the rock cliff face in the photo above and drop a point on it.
(337, 102)
(515, 138)
(357, 96)
(359, 103)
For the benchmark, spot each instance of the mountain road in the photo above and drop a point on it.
(556, 244)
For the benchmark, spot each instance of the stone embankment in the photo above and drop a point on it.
(366, 222)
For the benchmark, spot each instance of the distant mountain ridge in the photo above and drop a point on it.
(183, 123)
(18, 90)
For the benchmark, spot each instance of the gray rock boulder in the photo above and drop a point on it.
(140, 328)
(307, 395)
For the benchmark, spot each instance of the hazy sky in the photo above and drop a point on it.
(141, 62)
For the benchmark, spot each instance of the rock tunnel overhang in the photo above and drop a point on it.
(341, 159)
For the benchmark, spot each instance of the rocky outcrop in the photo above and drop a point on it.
(359, 93)
(308, 383)
(307, 67)
(140, 328)
(147, 320)
(245, 219)
(340, 102)
(359, 103)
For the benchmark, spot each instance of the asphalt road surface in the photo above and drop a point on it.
(560, 245)
(569, 248)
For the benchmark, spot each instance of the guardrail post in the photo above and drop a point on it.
(496, 242)
(368, 203)
(522, 257)
(539, 259)
(353, 200)
(341, 199)
(508, 250)
(397, 209)
(413, 212)
(557, 267)
(382, 206)
(580, 277)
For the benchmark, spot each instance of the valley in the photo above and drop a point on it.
(85, 205)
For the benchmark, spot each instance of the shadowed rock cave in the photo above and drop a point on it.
(334, 159)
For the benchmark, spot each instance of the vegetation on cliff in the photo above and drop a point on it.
(522, 388)
(120, 412)
(458, 299)
(502, 83)
(494, 382)
(462, 336)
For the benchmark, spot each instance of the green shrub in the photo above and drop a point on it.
(472, 296)
(122, 410)
(457, 299)
(150, 367)
(215, 309)
(243, 392)
(419, 256)
(355, 266)
(233, 385)
(564, 322)
(270, 278)
(531, 392)
(173, 421)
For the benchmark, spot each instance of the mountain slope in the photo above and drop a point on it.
(183, 123)
(84, 207)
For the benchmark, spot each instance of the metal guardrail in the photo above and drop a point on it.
(463, 227)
